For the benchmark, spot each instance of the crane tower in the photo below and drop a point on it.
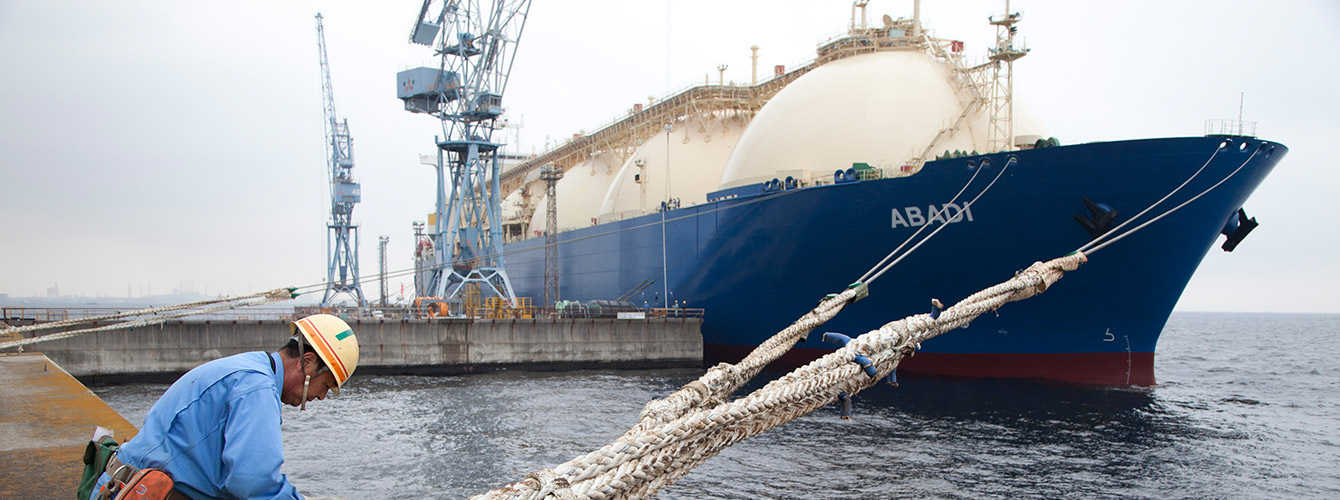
(476, 47)
(341, 234)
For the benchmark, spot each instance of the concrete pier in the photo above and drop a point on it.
(436, 346)
(47, 416)
(46, 419)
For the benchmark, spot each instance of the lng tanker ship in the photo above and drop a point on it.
(754, 202)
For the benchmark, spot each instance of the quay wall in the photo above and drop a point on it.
(390, 346)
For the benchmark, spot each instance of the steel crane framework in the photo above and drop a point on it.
(477, 47)
(342, 233)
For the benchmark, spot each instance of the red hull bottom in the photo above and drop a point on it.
(1111, 369)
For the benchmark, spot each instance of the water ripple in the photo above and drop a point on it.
(1228, 419)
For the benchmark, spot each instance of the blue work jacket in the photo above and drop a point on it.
(216, 431)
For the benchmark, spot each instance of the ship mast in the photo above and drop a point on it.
(1006, 51)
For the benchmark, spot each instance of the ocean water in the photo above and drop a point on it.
(1247, 406)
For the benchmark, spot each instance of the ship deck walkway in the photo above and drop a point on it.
(643, 122)
(624, 134)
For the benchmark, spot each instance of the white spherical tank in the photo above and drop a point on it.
(883, 108)
(514, 204)
(579, 192)
(696, 148)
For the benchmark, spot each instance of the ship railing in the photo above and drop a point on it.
(869, 174)
(974, 62)
(1005, 15)
(28, 315)
(621, 215)
(677, 312)
(1238, 128)
(715, 91)
(671, 95)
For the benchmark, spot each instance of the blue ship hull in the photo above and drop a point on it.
(758, 261)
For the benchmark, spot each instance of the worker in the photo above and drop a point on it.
(216, 429)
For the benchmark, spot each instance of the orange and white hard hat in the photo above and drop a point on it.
(333, 341)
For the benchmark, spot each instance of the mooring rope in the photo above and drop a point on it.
(1013, 159)
(1173, 209)
(141, 312)
(953, 200)
(1222, 145)
(659, 450)
(722, 380)
(148, 316)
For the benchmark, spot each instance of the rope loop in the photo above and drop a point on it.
(546, 483)
(720, 382)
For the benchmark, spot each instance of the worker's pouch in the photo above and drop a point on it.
(142, 484)
(96, 455)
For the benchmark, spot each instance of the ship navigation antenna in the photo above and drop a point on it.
(477, 48)
(341, 255)
(1242, 96)
(1006, 51)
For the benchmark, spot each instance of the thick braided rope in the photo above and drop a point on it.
(679, 446)
(722, 380)
(655, 472)
(269, 297)
(888, 345)
(636, 466)
(714, 387)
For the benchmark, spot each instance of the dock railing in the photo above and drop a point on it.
(16, 316)
(21, 316)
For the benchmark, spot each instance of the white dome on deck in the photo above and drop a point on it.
(514, 204)
(579, 192)
(698, 149)
(883, 108)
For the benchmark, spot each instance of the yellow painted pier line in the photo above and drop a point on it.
(46, 419)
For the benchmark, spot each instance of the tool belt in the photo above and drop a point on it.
(96, 454)
(131, 483)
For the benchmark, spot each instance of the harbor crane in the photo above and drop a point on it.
(476, 47)
(341, 233)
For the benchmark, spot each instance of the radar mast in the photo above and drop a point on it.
(1006, 51)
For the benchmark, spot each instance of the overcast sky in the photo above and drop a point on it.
(154, 145)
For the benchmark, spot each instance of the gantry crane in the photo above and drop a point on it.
(341, 233)
(476, 48)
